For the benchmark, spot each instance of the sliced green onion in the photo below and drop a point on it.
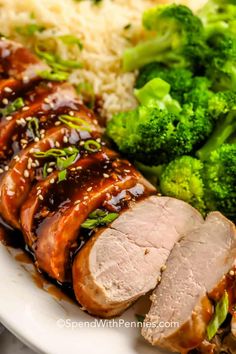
(75, 122)
(53, 76)
(45, 172)
(30, 29)
(62, 175)
(50, 153)
(221, 312)
(63, 163)
(56, 62)
(69, 39)
(71, 150)
(92, 146)
(99, 218)
(12, 107)
(33, 125)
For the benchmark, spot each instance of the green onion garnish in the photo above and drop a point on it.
(45, 172)
(75, 122)
(99, 218)
(92, 146)
(53, 76)
(221, 312)
(33, 125)
(12, 107)
(50, 153)
(62, 175)
(30, 29)
(63, 162)
(69, 39)
(55, 62)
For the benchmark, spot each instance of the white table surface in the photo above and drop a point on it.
(9, 344)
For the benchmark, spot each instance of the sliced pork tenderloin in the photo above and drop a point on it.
(19, 68)
(52, 226)
(124, 261)
(195, 274)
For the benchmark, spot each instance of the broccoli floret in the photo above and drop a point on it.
(178, 41)
(218, 16)
(199, 93)
(222, 107)
(155, 133)
(180, 79)
(182, 179)
(208, 185)
(220, 180)
(156, 94)
(221, 63)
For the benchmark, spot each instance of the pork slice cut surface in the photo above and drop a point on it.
(195, 268)
(124, 261)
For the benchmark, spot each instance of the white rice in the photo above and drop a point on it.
(101, 29)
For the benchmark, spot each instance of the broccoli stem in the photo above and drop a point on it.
(150, 51)
(224, 129)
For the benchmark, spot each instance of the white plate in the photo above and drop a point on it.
(37, 318)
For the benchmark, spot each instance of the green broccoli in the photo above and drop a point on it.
(180, 79)
(221, 62)
(178, 41)
(208, 182)
(222, 107)
(182, 179)
(218, 16)
(208, 185)
(159, 129)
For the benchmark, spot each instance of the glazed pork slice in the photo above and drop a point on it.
(124, 261)
(19, 68)
(195, 271)
(51, 226)
(42, 109)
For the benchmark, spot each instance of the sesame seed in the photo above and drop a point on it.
(105, 175)
(26, 108)
(9, 118)
(40, 197)
(49, 170)
(57, 123)
(86, 197)
(7, 89)
(71, 113)
(127, 171)
(42, 136)
(36, 139)
(24, 141)
(232, 273)
(46, 100)
(77, 202)
(1, 170)
(89, 189)
(26, 174)
(6, 168)
(5, 101)
(52, 180)
(57, 144)
(52, 163)
(65, 139)
(25, 79)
